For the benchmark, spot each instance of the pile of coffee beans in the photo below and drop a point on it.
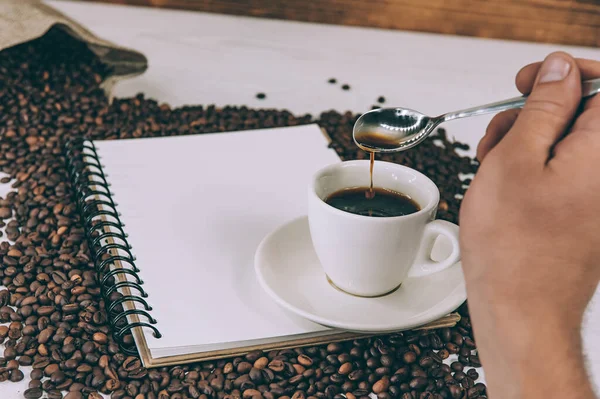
(52, 314)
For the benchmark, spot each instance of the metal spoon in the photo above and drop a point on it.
(398, 129)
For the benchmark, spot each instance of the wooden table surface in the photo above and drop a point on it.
(573, 22)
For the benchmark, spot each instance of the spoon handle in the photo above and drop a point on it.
(588, 88)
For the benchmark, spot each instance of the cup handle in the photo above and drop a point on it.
(423, 264)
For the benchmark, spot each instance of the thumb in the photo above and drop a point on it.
(549, 109)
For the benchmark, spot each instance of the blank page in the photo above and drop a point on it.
(195, 208)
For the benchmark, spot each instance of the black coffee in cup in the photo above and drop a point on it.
(376, 202)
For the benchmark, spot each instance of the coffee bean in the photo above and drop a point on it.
(88, 347)
(10, 353)
(261, 363)
(57, 377)
(435, 372)
(456, 366)
(473, 374)
(33, 393)
(110, 373)
(100, 338)
(16, 375)
(418, 383)
(112, 385)
(14, 333)
(298, 395)
(276, 365)
(299, 369)
(402, 373)
(68, 349)
(251, 394)
(255, 375)
(409, 357)
(5, 213)
(364, 385)
(305, 360)
(457, 339)
(386, 360)
(334, 347)
(333, 360)
(76, 387)
(445, 334)
(473, 393)
(443, 354)
(436, 342)
(244, 367)
(459, 376)
(36, 374)
(404, 387)
(452, 348)
(45, 310)
(29, 330)
(426, 362)
(373, 362)
(381, 371)
(336, 378)
(70, 308)
(467, 383)
(466, 352)
(91, 358)
(345, 368)
(356, 375)
(469, 343)
(417, 372)
(481, 388)
(12, 365)
(54, 394)
(456, 392)
(382, 385)
(415, 348)
(133, 366)
(356, 352)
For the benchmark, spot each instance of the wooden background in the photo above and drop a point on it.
(572, 22)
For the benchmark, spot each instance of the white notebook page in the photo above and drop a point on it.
(195, 209)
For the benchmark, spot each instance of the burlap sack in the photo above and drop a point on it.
(25, 20)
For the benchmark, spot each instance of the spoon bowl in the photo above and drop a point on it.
(386, 129)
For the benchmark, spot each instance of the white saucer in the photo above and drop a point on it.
(288, 269)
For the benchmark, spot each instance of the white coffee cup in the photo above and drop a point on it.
(372, 256)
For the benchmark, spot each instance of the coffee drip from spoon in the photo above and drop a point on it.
(398, 129)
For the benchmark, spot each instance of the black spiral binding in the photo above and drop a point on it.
(108, 244)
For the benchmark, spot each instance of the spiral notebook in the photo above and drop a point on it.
(173, 224)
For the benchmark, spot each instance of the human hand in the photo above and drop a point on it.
(530, 232)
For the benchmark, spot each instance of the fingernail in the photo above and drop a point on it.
(555, 68)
